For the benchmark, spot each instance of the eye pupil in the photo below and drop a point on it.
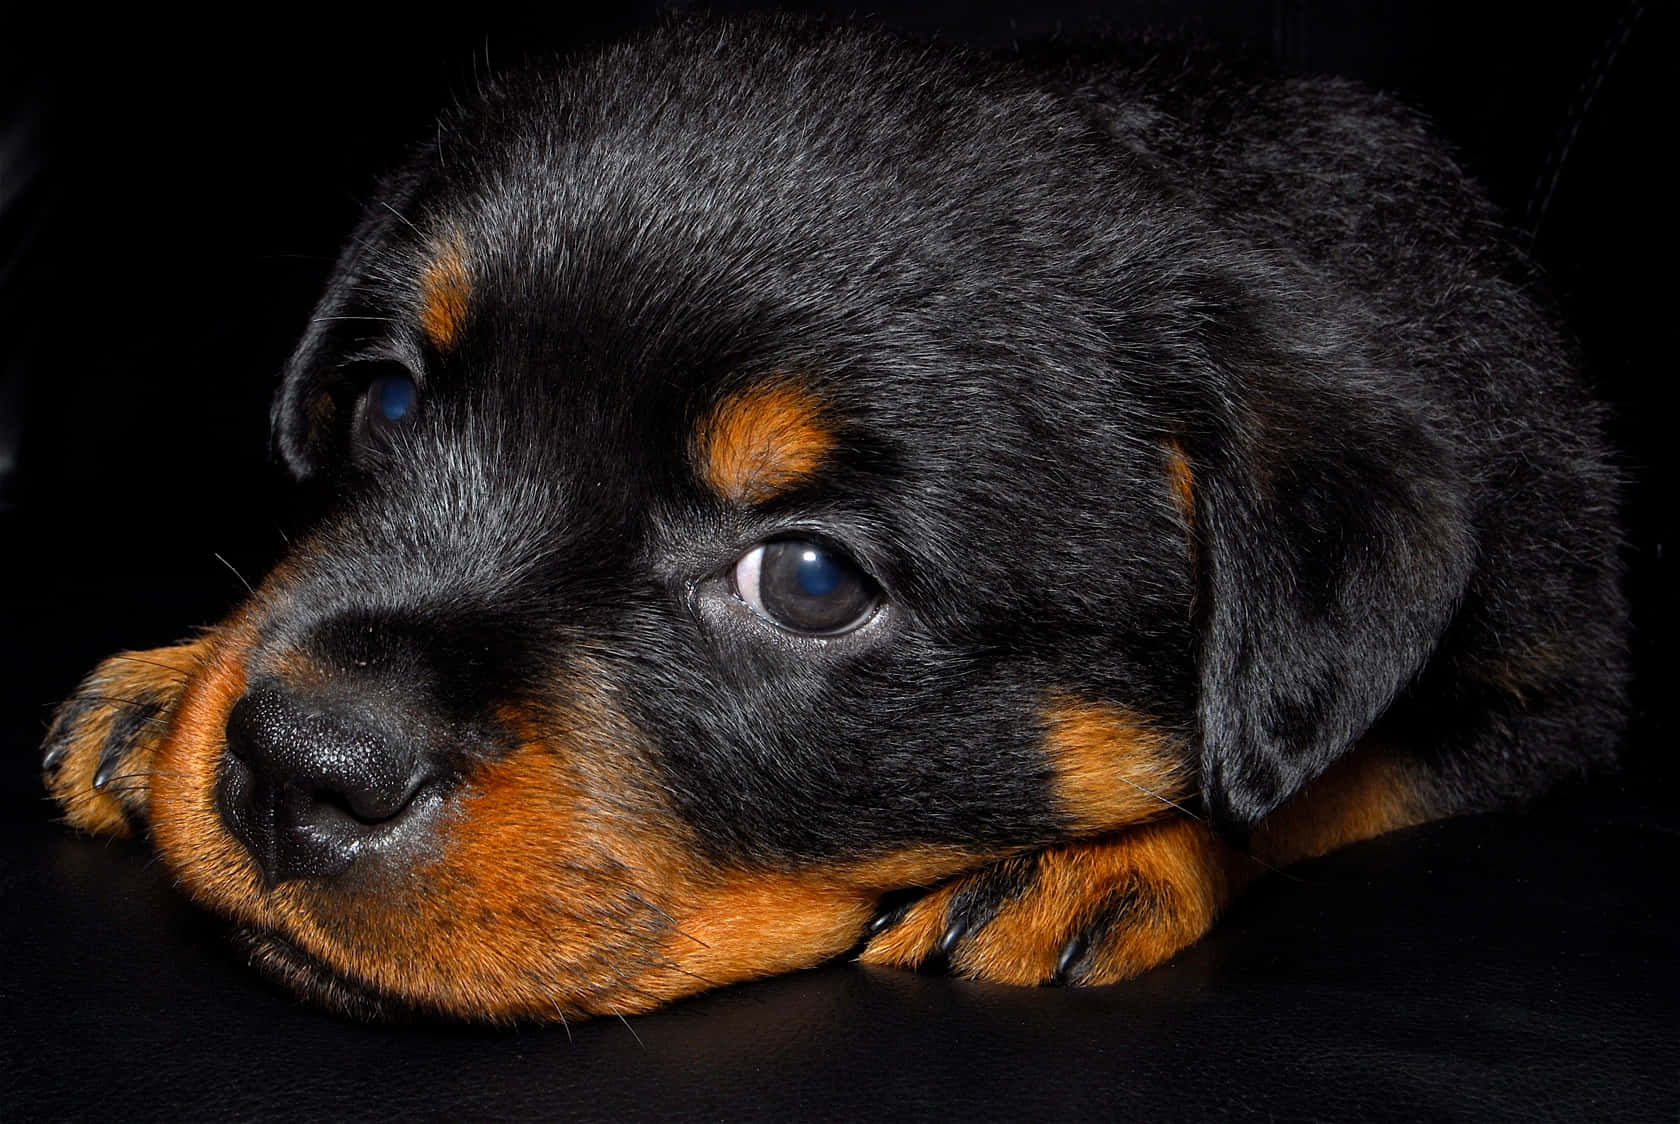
(818, 573)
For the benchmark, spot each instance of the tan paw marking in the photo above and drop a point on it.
(1085, 913)
(97, 758)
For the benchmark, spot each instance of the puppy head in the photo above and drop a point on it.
(759, 484)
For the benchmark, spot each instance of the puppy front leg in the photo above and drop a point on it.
(1100, 910)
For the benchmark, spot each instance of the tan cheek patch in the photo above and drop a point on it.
(1112, 768)
(187, 829)
(753, 924)
(445, 287)
(546, 896)
(560, 886)
(762, 924)
(759, 442)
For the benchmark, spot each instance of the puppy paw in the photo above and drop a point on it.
(97, 758)
(1084, 913)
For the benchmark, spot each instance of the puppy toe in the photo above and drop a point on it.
(96, 759)
(1085, 913)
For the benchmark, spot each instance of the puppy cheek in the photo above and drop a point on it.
(559, 883)
(565, 885)
(548, 894)
(743, 925)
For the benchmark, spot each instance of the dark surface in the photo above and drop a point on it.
(169, 203)
(1508, 967)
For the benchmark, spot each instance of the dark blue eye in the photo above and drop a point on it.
(805, 587)
(390, 402)
(393, 397)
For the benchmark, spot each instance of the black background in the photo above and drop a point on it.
(171, 198)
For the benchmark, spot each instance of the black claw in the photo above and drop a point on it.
(54, 757)
(984, 894)
(1072, 953)
(1094, 933)
(102, 775)
(891, 910)
(952, 936)
(128, 725)
(69, 716)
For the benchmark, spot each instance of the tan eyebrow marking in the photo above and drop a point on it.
(445, 286)
(759, 441)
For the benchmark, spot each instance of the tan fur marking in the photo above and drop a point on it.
(912, 866)
(758, 442)
(546, 894)
(445, 287)
(186, 826)
(755, 925)
(1365, 794)
(1112, 768)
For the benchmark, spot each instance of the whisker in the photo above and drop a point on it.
(555, 1003)
(236, 574)
(129, 657)
(654, 907)
(402, 217)
(672, 966)
(1169, 803)
(142, 774)
(627, 1026)
(118, 700)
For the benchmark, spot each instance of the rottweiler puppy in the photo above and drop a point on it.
(796, 491)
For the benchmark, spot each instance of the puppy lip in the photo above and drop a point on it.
(275, 956)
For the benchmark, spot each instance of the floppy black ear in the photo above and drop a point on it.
(1334, 543)
(353, 314)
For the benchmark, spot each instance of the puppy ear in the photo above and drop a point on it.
(1333, 544)
(305, 419)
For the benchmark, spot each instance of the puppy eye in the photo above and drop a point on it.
(805, 587)
(390, 402)
(392, 398)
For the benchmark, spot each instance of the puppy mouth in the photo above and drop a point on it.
(288, 966)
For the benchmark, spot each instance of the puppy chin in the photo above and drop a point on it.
(286, 965)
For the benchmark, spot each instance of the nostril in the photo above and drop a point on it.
(329, 801)
(368, 807)
(308, 786)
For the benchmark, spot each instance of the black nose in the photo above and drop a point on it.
(310, 784)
